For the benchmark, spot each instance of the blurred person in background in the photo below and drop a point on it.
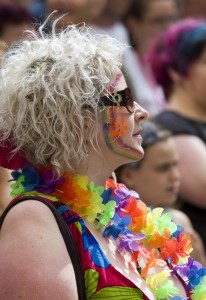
(156, 179)
(193, 8)
(74, 11)
(14, 21)
(144, 21)
(178, 60)
(110, 20)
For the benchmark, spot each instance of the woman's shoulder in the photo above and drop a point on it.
(40, 254)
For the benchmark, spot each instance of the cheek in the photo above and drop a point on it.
(115, 129)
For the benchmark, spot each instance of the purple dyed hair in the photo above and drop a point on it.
(177, 48)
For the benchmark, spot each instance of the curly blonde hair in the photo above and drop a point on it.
(48, 86)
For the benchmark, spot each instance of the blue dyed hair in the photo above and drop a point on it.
(177, 48)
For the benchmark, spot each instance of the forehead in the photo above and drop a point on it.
(161, 7)
(118, 83)
(161, 151)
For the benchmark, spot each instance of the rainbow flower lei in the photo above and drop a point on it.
(150, 235)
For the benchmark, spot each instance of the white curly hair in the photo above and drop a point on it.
(48, 86)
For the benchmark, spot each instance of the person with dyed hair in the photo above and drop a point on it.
(178, 60)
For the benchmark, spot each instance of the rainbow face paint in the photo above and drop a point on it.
(115, 133)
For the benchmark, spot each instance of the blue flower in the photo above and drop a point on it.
(32, 178)
(118, 227)
(179, 230)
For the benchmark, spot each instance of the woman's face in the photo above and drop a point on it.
(157, 179)
(76, 11)
(159, 15)
(121, 128)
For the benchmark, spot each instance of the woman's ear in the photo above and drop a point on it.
(175, 76)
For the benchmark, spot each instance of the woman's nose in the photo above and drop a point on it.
(175, 173)
(140, 112)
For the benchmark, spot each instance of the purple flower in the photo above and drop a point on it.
(129, 242)
(124, 193)
(49, 183)
(191, 267)
(193, 270)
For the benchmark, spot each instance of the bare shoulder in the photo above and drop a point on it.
(180, 218)
(33, 257)
(194, 142)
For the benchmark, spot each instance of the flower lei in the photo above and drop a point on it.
(150, 235)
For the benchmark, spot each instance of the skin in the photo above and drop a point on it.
(77, 11)
(160, 14)
(157, 179)
(191, 90)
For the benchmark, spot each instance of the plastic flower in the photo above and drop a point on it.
(137, 210)
(158, 240)
(118, 227)
(166, 290)
(130, 242)
(155, 280)
(74, 192)
(165, 221)
(49, 183)
(152, 217)
(177, 233)
(107, 214)
(31, 178)
(107, 196)
(188, 269)
(151, 262)
(174, 249)
(199, 292)
(17, 187)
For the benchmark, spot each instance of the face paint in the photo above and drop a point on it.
(115, 133)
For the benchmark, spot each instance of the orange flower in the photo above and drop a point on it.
(137, 210)
(176, 249)
(158, 240)
(73, 194)
(119, 128)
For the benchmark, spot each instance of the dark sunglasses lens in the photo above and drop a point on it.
(129, 101)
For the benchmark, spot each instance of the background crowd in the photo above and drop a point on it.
(165, 66)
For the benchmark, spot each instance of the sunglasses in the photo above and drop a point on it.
(120, 98)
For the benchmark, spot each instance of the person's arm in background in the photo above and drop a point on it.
(192, 166)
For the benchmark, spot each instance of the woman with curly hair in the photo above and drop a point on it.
(70, 233)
